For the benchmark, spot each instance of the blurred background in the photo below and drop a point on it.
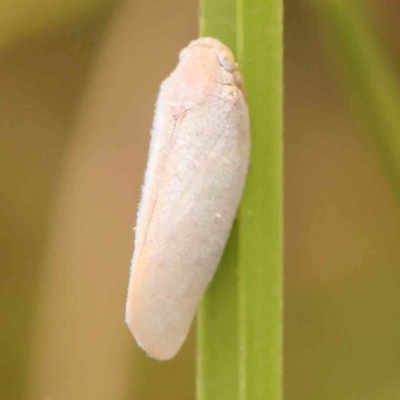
(78, 82)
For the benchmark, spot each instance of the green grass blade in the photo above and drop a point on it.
(217, 323)
(240, 320)
(217, 332)
(218, 20)
(260, 227)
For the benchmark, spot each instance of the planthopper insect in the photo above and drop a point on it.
(196, 170)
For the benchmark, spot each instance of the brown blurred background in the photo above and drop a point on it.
(77, 94)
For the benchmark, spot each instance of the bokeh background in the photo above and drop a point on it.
(78, 81)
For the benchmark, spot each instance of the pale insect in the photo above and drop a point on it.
(197, 165)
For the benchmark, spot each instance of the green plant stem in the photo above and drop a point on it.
(240, 319)
(260, 227)
(217, 321)
(217, 331)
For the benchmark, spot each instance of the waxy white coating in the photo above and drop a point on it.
(198, 161)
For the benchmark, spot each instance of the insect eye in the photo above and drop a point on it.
(226, 60)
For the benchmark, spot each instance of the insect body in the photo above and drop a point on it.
(198, 161)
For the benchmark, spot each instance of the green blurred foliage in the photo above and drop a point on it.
(42, 77)
(20, 18)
